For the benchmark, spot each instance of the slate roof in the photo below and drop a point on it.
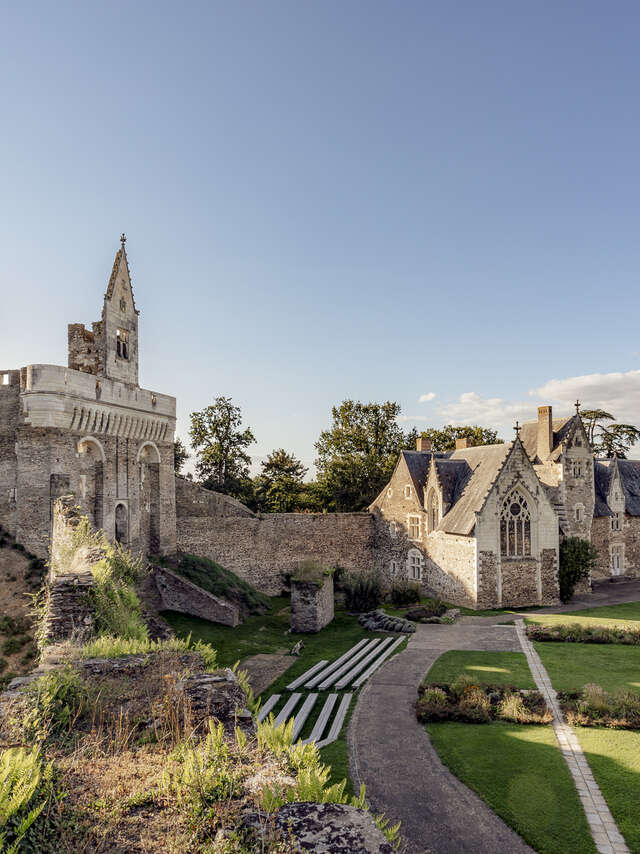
(453, 475)
(630, 478)
(482, 466)
(602, 470)
(529, 435)
(418, 463)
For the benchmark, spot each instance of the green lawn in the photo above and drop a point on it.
(492, 668)
(520, 773)
(572, 665)
(614, 758)
(627, 614)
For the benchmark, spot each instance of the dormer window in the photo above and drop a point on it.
(577, 468)
(122, 344)
(616, 522)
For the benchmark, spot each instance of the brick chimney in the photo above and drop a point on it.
(462, 443)
(423, 444)
(545, 432)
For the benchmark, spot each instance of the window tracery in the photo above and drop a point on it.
(515, 526)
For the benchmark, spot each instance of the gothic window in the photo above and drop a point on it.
(413, 524)
(414, 565)
(433, 510)
(616, 522)
(577, 468)
(515, 526)
(122, 345)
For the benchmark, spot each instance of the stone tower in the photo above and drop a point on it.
(89, 429)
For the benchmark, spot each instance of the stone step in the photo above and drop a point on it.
(297, 682)
(366, 649)
(350, 675)
(319, 677)
(269, 704)
(323, 718)
(289, 706)
(300, 719)
(336, 726)
(376, 664)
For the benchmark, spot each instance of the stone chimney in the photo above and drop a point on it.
(545, 432)
(423, 444)
(463, 442)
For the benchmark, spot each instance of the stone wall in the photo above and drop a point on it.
(262, 550)
(312, 606)
(9, 417)
(450, 568)
(520, 582)
(193, 500)
(488, 595)
(181, 595)
(628, 538)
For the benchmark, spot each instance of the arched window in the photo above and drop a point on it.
(433, 511)
(414, 564)
(407, 491)
(515, 526)
(122, 524)
(579, 512)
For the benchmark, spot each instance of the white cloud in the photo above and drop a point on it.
(425, 398)
(472, 408)
(618, 393)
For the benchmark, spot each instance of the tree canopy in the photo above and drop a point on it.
(444, 438)
(608, 438)
(220, 443)
(279, 485)
(180, 455)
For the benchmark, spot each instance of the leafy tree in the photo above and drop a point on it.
(444, 439)
(577, 559)
(180, 454)
(222, 461)
(607, 437)
(280, 482)
(356, 456)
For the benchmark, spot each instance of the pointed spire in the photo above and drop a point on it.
(123, 239)
(577, 406)
(517, 428)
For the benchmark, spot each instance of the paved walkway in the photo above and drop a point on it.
(604, 830)
(391, 752)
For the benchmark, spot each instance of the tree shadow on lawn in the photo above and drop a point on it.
(520, 772)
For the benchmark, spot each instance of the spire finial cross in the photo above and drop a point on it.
(577, 406)
(123, 239)
(517, 428)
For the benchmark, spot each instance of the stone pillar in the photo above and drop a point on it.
(311, 603)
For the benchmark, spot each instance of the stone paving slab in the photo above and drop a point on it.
(604, 830)
(391, 752)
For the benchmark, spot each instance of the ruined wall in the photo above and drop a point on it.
(260, 550)
(181, 595)
(83, 349)
(312, 605)
(9, 416)
(193, 500)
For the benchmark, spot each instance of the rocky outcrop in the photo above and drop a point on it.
(331, 829)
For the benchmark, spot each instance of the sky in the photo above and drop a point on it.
(432, 203)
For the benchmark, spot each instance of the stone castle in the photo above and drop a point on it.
(89, 429)
(479, 526)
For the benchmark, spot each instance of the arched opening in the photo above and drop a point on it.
(515, 526)
(90, 491)
(149, 489)
(122, 524)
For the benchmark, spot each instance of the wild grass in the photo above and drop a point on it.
(108, 646)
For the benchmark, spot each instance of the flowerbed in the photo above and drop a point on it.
(595, 707)
(465, 700)
(576, 633)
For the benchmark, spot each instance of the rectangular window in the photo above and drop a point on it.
(616, 522)
(414, 527)
(617, 560)
(415, 567)
(5, 379)
(122, 345)
(577, 468)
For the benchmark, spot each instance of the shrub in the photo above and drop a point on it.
(475, 705)
(463, 682)
(21, 778)
(403, 593)
(512, 708)
(577, 558)
(362, 592)
(52, 704)
(577, 633)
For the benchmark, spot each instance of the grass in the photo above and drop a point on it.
(626, 614)
(520, 773)
(614, 758)
(215, 579)
(573, 665)
(490, 668)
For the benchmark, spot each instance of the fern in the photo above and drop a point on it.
(21, 776)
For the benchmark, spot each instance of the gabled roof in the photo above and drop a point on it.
(630, 479)
(452, 474)
(418, 464)
(483, 465)
(562, 427)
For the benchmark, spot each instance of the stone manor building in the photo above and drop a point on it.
(89, 429)
(482, 525)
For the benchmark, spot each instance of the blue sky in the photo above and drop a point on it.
(331, 199)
